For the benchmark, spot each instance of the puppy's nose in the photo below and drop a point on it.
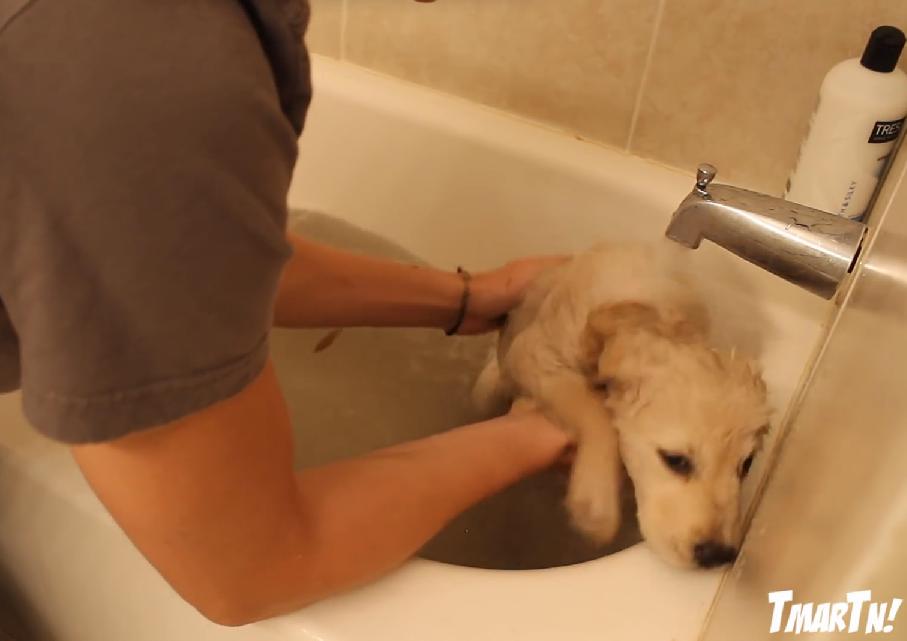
(709, 554)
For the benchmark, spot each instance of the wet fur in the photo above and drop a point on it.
(614, 347)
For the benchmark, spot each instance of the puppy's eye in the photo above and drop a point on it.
(746, 465)
(677, 463)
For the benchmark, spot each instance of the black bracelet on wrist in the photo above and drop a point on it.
(464, 303)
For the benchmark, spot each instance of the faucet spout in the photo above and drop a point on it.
(808, 247)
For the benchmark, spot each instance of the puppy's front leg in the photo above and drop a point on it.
(593, 496)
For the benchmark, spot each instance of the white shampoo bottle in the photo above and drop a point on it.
(861, 111)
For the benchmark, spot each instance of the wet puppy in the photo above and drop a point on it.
(614, 346)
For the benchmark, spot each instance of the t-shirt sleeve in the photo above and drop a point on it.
(144, 186)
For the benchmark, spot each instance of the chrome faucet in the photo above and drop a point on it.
(805, 246)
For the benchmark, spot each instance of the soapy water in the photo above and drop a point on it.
(371, 388)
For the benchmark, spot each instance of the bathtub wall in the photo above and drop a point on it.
(678, 81)
(833, 517)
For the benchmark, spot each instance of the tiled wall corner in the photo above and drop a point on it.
(574, 63)
(325, 30)
(731, 82)
(734, 83)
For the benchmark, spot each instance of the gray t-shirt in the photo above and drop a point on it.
(146, 150)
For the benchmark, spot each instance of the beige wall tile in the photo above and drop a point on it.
(574, 63)
(324, 32)
(734, 82)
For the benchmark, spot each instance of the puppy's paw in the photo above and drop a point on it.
(594, 507)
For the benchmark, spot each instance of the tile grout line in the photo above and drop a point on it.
(343, 20)
(650, 54)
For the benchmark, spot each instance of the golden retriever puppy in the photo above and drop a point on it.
(614, 347)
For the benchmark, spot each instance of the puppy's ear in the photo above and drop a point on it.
(682, 324)
(608, 320)
(622, 341)
(747, 375)
(605, 323)
(607, 354)
(590, 350)
(677, 323)
(746, 371)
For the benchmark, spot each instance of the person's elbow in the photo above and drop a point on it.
(236, 607)
(263, 589)
(230, 611)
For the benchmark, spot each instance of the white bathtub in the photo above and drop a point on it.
(458, 184)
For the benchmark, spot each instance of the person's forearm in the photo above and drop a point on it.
(367, 515)
(213, 502)
(326, 287)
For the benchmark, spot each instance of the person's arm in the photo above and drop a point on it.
(213, 502)
(326, 287)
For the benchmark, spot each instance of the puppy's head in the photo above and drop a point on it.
(690, 421)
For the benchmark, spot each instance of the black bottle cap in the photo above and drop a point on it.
(883, 49)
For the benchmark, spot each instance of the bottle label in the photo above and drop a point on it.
(886, 130)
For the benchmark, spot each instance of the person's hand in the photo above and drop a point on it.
(495, 293)
(527, 408)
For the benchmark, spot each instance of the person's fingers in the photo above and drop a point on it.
(523, 272)
(495, 293)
